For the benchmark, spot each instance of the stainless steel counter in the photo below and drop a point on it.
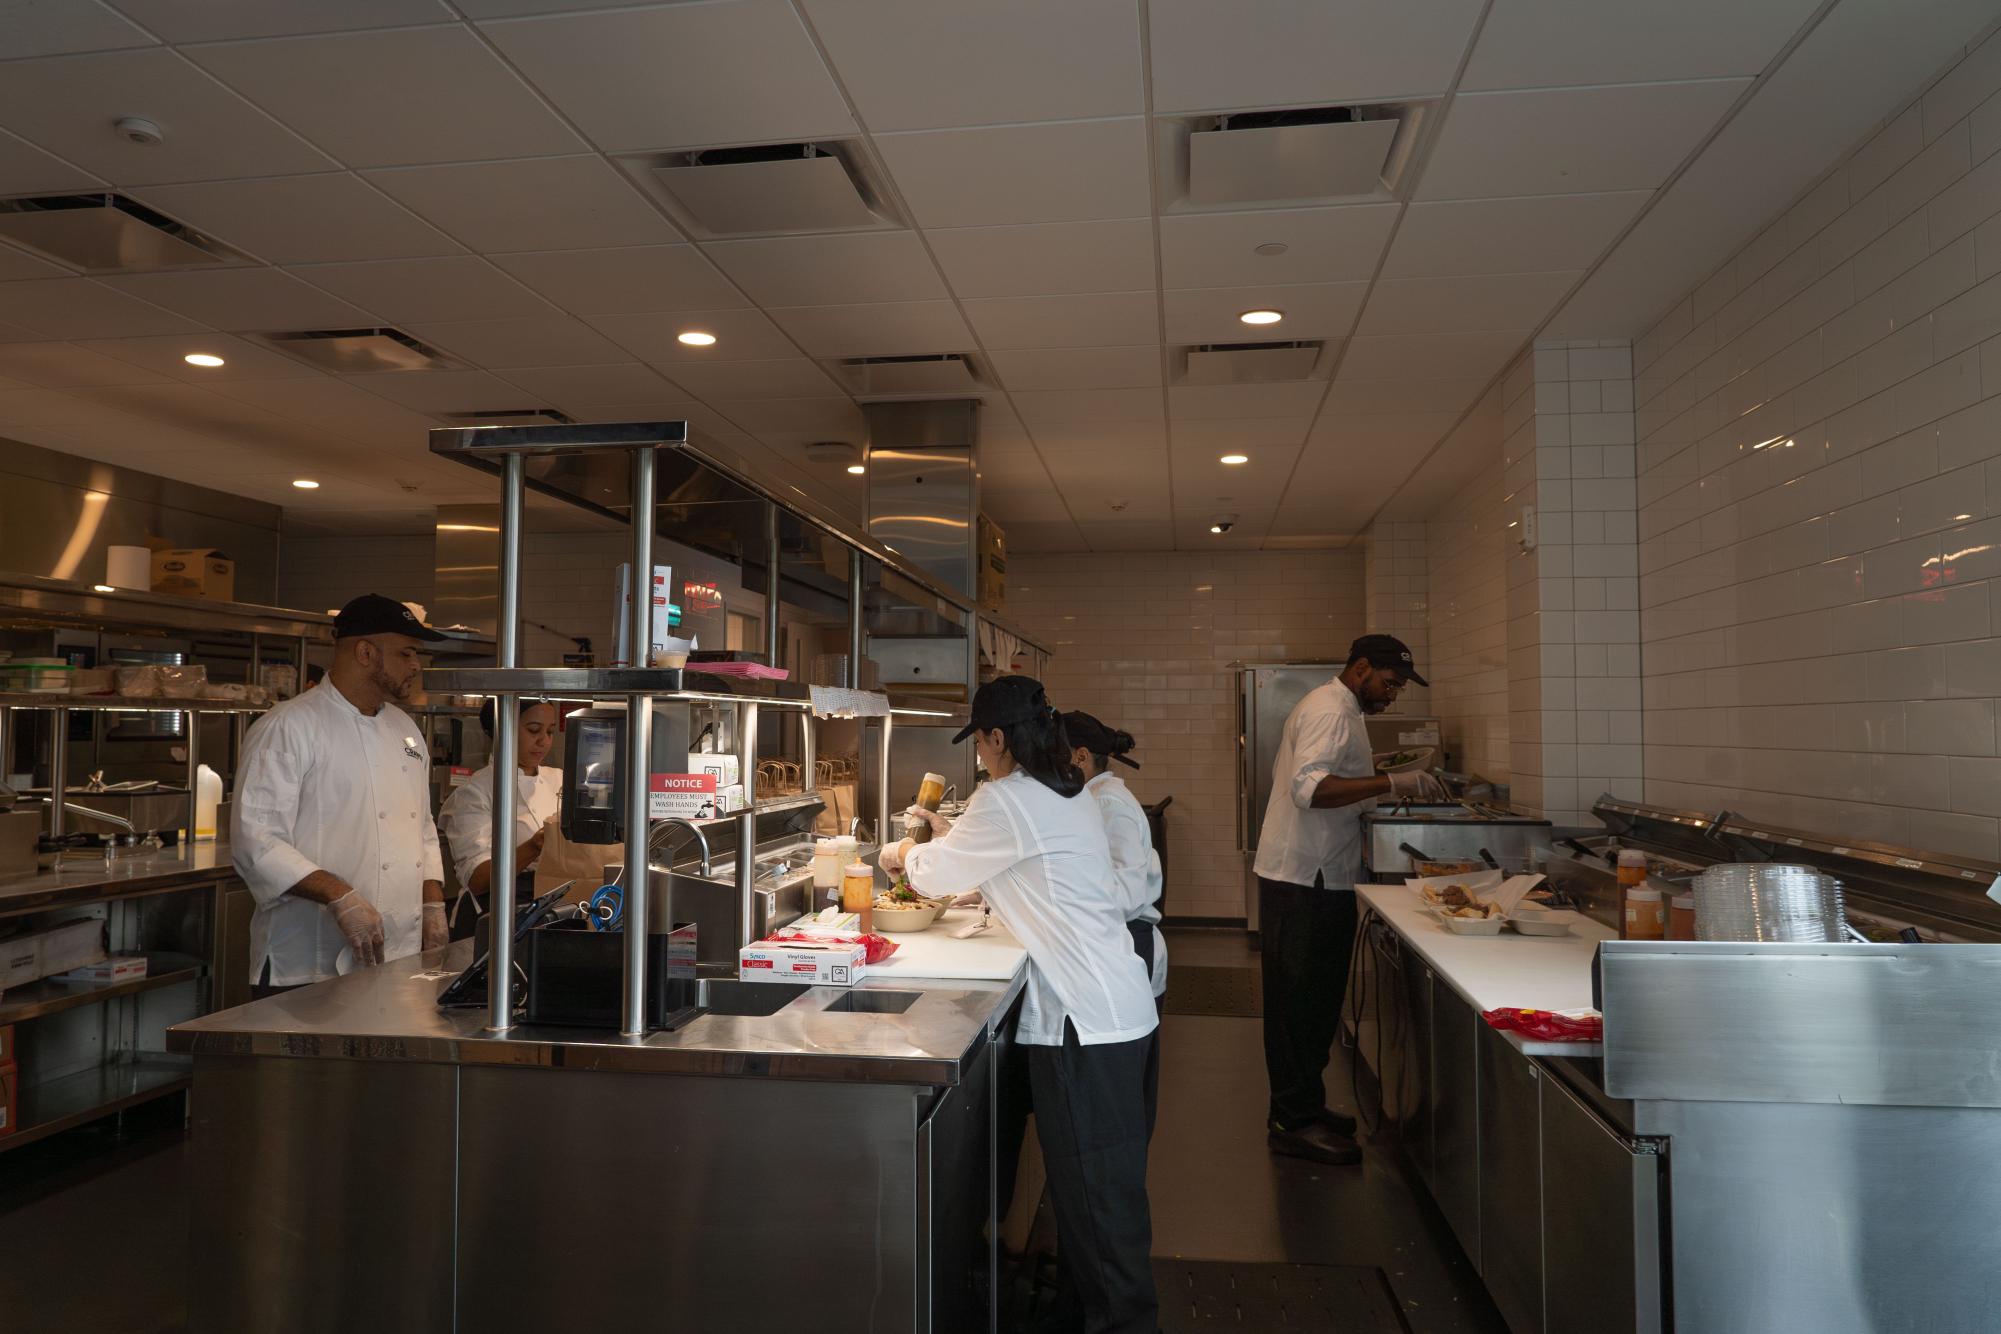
(88, 881)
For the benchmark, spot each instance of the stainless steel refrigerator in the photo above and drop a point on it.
(1267, 693)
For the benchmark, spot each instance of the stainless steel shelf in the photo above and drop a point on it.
(57, 1104)
(19, 699)
(51, 997)
(690, 686)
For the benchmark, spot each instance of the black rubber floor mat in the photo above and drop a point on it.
(1195, 989)
(1209, 1295)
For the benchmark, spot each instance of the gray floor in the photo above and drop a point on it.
(92, 1224)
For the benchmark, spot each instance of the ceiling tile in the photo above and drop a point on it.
(921, 65)
(534, 204)
(442, 391)
(1474, 356)
(623, 383)
(1298, 398)
(302, 219)
(27, 170)
(16, 264)
(418, 290)
(1041, 259)
(223, 20)
(1350, 396)
(651, 410)
(1393, 430)
(801, 420)
(1323, 245)
(1463, 305)
(893, 329)
(741, 335)
(1219, 435)
(80, 308)
(625, 279)
(1106, 319)
(66, 366)
(830, 270)
(41, 28)
(1055, 438)
(1551, 43)
(1078, 367)
(790, 378)
(242, 360)
(1571, 140)
(336, 405)
(243, 299)
(433, 95)
(1207, 56)
(1051, 407)
(533, 340)
(1022, 173)
(681, 76)
(1534, 234)
(1312, 310)
(63, 104)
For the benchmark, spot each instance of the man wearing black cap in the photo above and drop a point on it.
(332, 829)
(1309, 858)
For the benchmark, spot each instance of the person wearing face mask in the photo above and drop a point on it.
(1037, 851)
(468, 813)
(1309, 858)
(332, 828)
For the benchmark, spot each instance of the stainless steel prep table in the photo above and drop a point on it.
(831, 1164)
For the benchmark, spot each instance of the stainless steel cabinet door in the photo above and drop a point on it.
(1455, 1115)
(1511, 1182)
(1601, 1222)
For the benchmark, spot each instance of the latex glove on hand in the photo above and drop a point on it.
(940, 826)
(361, 924)
(436, 933)
(973, 900)
(891, 858)
(1417, 785)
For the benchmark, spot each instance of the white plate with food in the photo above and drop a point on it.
(1474, 926)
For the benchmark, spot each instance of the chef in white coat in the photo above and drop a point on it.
(1039, 855)
(332, 828)
(468, 813)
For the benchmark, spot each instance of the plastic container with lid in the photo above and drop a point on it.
(1632, 867)
(1681, 917)
(1645, 914)
(858, 892)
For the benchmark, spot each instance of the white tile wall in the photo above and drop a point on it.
(1397, 597)
(1143, 641)
(1467, 543)
(1819, 492)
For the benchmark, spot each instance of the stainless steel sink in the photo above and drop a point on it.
(754, 999)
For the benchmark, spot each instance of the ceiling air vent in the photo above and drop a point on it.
(509, 417)
(1251, 363)
(356, 351)
(1308, 153)
(108, 233)
(944, 373)
(768, 189)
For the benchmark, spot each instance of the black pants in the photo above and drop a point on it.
(1308, 936)
(262, 988)
(1091, 1120)
(1143, 946)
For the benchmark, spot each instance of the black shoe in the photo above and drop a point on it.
(1318, 1142)
(1340, 1123)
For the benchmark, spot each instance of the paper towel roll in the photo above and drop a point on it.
(128, 567)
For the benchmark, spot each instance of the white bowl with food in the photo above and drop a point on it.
(1474, 926)
(906, 917)
(1540, 925)
(1406, 760)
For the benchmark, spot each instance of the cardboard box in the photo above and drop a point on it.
(195, 572)
(118, 968)
(829, 964)
(663, 614)
(25, 959)
(7, 1044)
(992, 560)
(10, 1099)
(724, 767)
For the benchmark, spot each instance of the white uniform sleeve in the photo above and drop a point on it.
(1133, 857)
(275, 760)
(434, 855)
(1316, 749)
(468, 821)
(980, 845)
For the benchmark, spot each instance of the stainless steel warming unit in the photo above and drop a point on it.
(1397, 836)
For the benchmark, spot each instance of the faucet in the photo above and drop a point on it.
(701, 839)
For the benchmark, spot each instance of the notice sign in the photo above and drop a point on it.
(687, 796)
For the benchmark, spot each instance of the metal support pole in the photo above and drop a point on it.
(6, 741)
(854, 618)
(770, 585)
(639, 752)
(973, 655)
(194, 777)
(506, 760)
(59, 776)
(746, 822)
(884, 815)
(809, 742)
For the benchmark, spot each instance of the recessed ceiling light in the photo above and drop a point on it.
(202, 359)
(1262, 316)
(1234, 459)
(1215, 527)
(696, 338)
(1272, 248)
(305, 484)
(857, 469)
(104, 588)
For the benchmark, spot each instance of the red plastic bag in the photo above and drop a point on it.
(1548, 1025)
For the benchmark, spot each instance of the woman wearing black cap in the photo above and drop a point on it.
(1087, 1016)
(468, 813)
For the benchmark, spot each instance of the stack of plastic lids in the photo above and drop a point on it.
(1759, 901)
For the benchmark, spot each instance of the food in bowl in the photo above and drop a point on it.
(904, 916)
(1474, 926)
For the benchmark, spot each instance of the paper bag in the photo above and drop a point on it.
(582, 862)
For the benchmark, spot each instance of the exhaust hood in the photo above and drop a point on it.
(766, 190)
(108, 233)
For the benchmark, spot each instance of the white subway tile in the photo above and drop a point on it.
(1886, 151)
(1961, 89)
(1893, 253)
(1915, 183)
(1603, 363)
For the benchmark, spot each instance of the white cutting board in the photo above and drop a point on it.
(993, 955)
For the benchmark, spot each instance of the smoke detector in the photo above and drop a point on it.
(139, 130)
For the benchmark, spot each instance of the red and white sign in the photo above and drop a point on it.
(683, 796)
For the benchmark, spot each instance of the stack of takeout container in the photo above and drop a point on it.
(1758, 901)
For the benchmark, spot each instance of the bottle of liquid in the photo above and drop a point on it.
(929, 793)
(1681, 917)
(208, 795)
(1632, 868)
(1645, 919)
(858, 893)
(827, 864)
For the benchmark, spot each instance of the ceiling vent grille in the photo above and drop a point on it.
(940, 373)
(1296, 155)
(359, 351)
(509, 417)
(1251, 363)
(767, 189)
(108, 233)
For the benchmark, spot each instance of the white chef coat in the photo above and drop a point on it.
(1324, 735)
(1135, 864)
(468, 815)
(325, 787)
(1043, 864)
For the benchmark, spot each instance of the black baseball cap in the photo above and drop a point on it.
(1386, 651)
(1096, 737)
(373, 614)
(1005, 701)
